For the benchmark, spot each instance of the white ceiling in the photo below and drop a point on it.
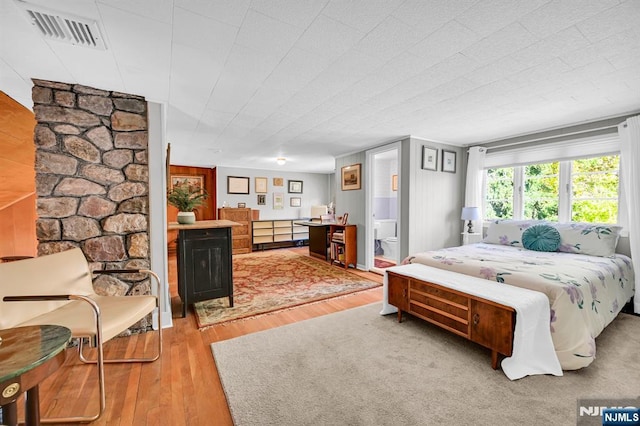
(246, 81)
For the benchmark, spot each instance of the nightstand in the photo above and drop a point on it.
(468, 238)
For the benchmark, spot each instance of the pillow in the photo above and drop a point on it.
(588, 238)
(508, 232)
(541, 238)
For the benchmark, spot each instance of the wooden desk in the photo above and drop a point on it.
(28, 355)
(205, 269)
(318, 239)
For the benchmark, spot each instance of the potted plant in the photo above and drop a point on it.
(186, 198)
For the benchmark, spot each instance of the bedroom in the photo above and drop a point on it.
(597, 82)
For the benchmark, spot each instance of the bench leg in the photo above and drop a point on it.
(495, 360)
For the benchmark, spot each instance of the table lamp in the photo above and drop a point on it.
(470, 214)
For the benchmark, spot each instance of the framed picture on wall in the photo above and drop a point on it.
(237, 185)
(262, 200)
(278, 181)
(295, 201)
(350, 177)
(278, 200)
(193, 181)
(448, 161)
(429, 158)
(261, 185)
(295, 187)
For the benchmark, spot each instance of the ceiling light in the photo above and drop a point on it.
(281, 161)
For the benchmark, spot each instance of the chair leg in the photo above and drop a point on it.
(100, 365)
(100, 361)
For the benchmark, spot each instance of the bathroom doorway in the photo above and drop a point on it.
(383, 205)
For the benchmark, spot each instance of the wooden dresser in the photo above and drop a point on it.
(241, 235)
(479, 320)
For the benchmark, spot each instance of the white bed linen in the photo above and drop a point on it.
(533, 351)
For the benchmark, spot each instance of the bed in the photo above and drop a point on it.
(587, 283)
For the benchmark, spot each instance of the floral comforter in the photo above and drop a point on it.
(585, 292)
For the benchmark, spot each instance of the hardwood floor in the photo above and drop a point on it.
(183, 386)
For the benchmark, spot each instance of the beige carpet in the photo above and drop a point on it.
(358, 368)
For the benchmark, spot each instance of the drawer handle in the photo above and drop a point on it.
(476, 319)
(404, 293)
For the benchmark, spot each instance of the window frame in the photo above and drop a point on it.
(565, 188)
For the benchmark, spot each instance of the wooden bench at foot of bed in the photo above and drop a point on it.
(482, 321)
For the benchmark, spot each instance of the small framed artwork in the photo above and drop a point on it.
(261, 185)
(429, 158)
(350, 177)
(242, 205)
(189, 180)
(237, 185)
(295, 187)
(295, 201)
(448, 161)
(394, 182)
(278, 181)
(262, 200)
(278, 200)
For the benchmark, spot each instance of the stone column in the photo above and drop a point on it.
(92, 180)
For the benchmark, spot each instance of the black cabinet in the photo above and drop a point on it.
(204, 265)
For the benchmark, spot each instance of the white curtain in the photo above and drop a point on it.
(473, 188)
(630, 175)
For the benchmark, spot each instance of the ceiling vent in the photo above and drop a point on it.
(64, 27)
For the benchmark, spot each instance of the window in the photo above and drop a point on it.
(583, 190)
(595, 189)
(499, 199)
(541, 196)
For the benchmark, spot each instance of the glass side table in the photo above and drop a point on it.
(28, 355)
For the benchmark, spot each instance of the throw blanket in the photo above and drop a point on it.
(533, 351)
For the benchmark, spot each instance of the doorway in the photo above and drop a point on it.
(383, 208)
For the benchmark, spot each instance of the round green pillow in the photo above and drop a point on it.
(541, 238)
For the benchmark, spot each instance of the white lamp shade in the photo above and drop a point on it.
(470, 213)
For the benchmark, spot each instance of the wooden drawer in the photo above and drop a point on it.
(262, 232)
(448, 307)
(240, 230)
(280, 231)
(282, 224)
(439, 292)
(257, 239)
(261, 225)
(301, 236)
(282, 237)
(451, 323)
(300, 229)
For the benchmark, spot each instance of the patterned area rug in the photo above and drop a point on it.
(277, 279)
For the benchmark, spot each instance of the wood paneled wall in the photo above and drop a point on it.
(17, 174)
(18, 228)
(206, 212)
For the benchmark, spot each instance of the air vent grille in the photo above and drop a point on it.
(64, 27)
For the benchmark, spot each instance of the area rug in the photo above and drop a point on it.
(356, 367)
(379, 263)
(277, 279)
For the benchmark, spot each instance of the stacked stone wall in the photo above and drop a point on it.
(92, 180)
